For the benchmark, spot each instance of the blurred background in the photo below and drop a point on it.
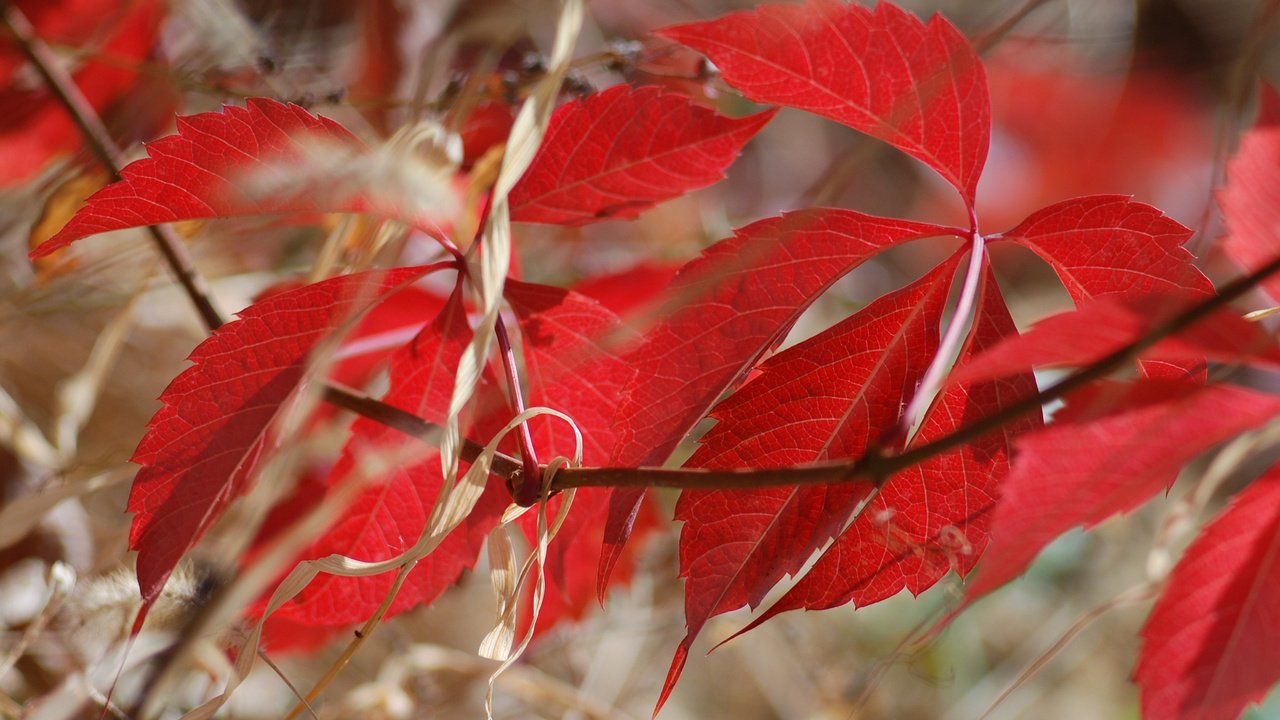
(1143, 98)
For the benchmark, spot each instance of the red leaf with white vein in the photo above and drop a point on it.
(204, 446)
(267, 157)
(918, 87)
(727, 308)
(933, 517)
(1212, 644)
(828, 398)
(1107, 324)
(387, 518)
(617, 152)
(1112, 244)
(1251, 201)
(1139, 436)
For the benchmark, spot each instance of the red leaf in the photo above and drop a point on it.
(388, 518)
(204, 446)
(1212, 644)
(1252, 196)
(828, 398)
(933, 517)
(1112, 244)
(488, 124)
(572, 365)
(624, 149)
(1139, 436)
(883, 72)
(1107, 324)
(389, 326)
(267, 157)
(570, 590)
(728, 308)
(631, 290)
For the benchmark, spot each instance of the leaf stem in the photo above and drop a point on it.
(108, 153)
(948, 348)
(526, 493)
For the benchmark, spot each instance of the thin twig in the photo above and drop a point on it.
(992, 37)
(503, 465)
(100, 143)
(526, 494)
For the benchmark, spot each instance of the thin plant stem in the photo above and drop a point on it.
(109, 154)
(526, 493)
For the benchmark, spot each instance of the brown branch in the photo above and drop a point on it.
(503, 465)
(108, 153)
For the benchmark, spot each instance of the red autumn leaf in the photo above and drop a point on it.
(631, 290)
(727, 308)
(1080, 128)
(570, 594)
(1252, 196)
(387, 326)
(35, 128)
(381, 63)
(1107, 324)
(487, 125)
(1112, 244)
(623, 150)
(204, 446)
(828, 398)
(918, 87)
(387, 518)
(1139, 436)
(267, 157)
(933, 517)
(572, 364)
(1211, 646)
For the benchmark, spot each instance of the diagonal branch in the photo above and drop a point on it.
(108, 153)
